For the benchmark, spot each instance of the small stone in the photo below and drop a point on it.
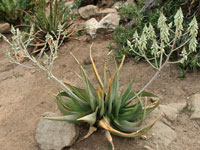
(4, 27)
(87, 61)
(194, 106)
(21, 56)
(91, 27)
(169, 112)
(163, 134)
(117, 5)
(69, 4)
(147, 147)
(143, 137)
(110, 21)
(55, 135)
(88, 11)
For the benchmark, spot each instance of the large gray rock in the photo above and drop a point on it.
(54, 135)
(88, 11)
(194, 106)
(69, 4)
(110, 21)
(162, 134)
(91, 27)
(171, 111)
(168, 113)
(4, 27)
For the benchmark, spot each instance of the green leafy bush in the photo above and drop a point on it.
(173, 38)
(46, 17)
(12, 11)
(169, 8)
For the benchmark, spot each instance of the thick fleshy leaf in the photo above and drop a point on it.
(91, 130)
(132, 115)
(64, 109)
(69, 118)
(148, 109)
(127, 126)
(72, 104)
(95, 69)
(109, 138)
(127, 93)
(104, 78)
(91, 92)
(132, 96)
(81, 93)
(90, 119)
(104, 123)
(101, 104)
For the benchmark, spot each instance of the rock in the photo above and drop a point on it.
(107, 11)
(106, 3)
(193, 105)
(110, 21)
(69, 4)
(169, 112)
(4, 27)
(91, 27)
(88, 11)
(117, 5)
(20, 55)
(54, 135)
(163, 135)
(147, 147)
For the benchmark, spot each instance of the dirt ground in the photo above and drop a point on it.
(26, 94)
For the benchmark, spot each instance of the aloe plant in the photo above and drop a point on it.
(119, 113)
(47, 19)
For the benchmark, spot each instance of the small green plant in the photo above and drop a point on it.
(170, 8)
(172, 38)
(12, 11)
(46, 18)
(127, 12)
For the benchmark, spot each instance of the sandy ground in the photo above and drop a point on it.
(26, 94)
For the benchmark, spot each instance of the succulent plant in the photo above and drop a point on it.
(119, 113)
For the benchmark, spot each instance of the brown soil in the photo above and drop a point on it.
(26, 94)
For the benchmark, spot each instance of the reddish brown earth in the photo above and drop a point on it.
(26, 94)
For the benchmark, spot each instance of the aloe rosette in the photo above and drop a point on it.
(119, 113)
